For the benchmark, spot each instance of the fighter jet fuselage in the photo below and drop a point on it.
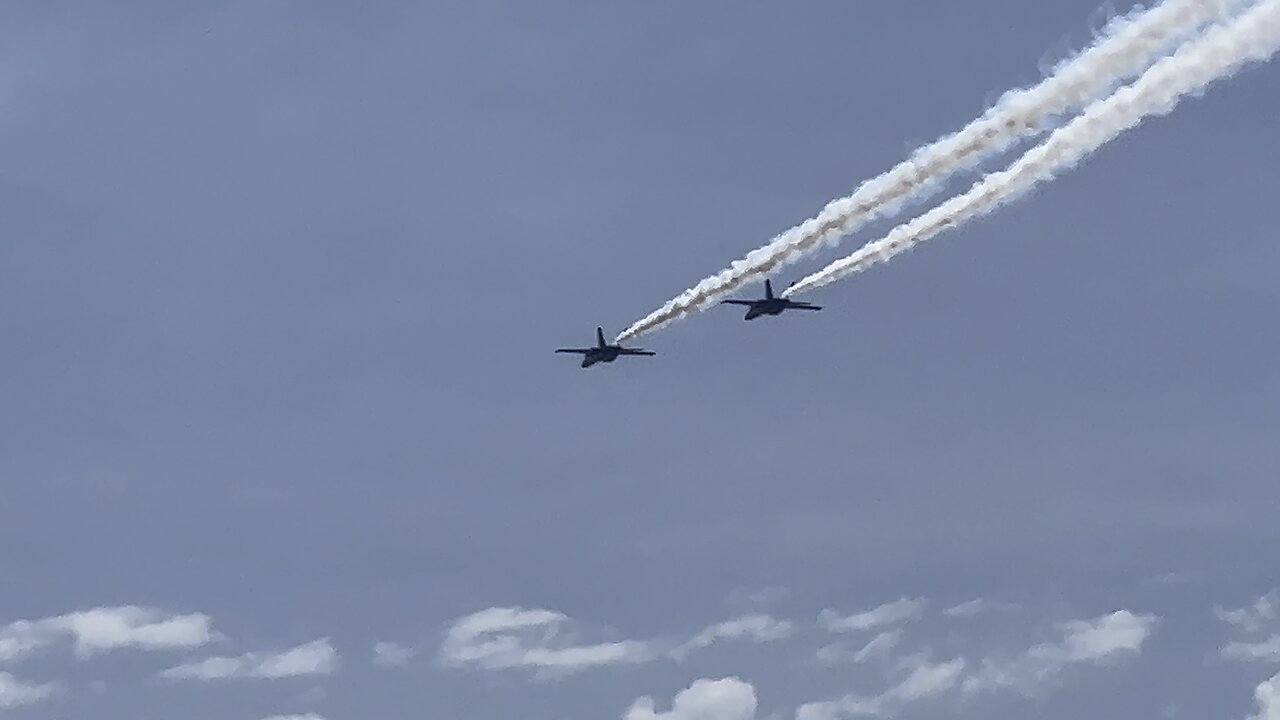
(769, 304)
(603, 352)
(765, 307)
(599, 355)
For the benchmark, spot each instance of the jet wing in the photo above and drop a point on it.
(631, 351)
(579, 351)
(737, 302)
(802, 305)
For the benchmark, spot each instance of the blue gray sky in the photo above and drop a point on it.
(281, 432)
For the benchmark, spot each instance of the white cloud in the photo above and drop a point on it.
(1092, 640)
(23, 637)
(848, 706)
(978, 606)
(757, 628)
(389, 654)
(502, 638)
(1103, 639)
(1267, 696)
(890, 613)
(833, 654)
(314, 658)
(16, 693)
(878, 647)
(548, 642)
(967, 609)
(497, 619)
(924, 680)
(1265, 651)
(105, 629)
(1251, 618)
(725, 699)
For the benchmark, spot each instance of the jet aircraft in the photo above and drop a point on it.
(603, 352)
(770, 305)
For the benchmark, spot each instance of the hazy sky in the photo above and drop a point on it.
(282, 432)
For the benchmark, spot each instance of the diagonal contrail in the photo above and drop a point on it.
(1254, 36)
(1126, 46)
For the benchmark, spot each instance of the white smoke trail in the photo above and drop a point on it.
(1125, 47)
(1252, 37)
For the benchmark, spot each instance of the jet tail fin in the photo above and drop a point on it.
(768, 290)
(600, 337)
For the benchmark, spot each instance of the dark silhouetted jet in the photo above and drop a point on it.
(770, 305)
(602, 352)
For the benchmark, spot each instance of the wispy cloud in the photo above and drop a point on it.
(21, 638)
(549, 643)
(724, 699)
(924, 679)
(878, 647)
(16, 693)
(900, 610)
(1248, 623)
(978, 606)
(105, 629)
(757, 628)
(514, 637)
(1251, 618)
(1098, 639)
(918, 677)
(1264, 651)
(314, 658)
(389, 654)
(1103, 639)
